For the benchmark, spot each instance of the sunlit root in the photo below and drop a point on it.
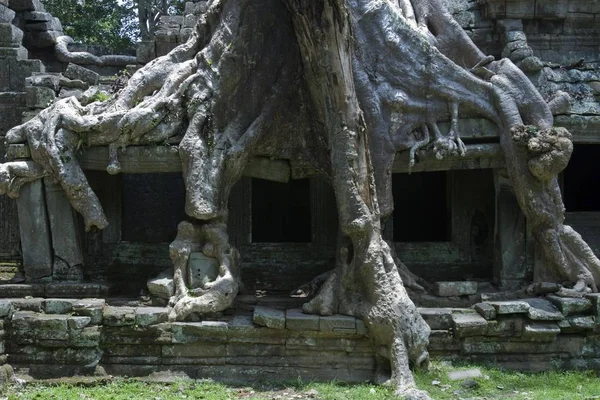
(212, 240)
(13, 175)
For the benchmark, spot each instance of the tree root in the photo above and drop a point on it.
(210, 238)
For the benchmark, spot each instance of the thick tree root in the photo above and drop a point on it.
(210, 238)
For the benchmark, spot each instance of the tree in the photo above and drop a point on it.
(339, 84)
(104, 22)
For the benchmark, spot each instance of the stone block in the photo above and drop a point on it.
(570, 305)
(21, 290)
(146, 51)
(540, 332)
(471, 324)
(510, 307)
(519, 9)
(146, 316)
(442, 341)
(64, 228)
(42, 26)
(87, 337)
(18, 53)
(26, 5)
(40, 97)
(5, 308)
(21, 69)
(437, 318)
(449, 289)
(551, 9)
(190, 21)
(202, 269)
(42, 39)
(76, 290)
(361, 328)
(51, 327)
(337, 323)
(77, 72)
(171, 20)
(10, 35)
(90, 308)
(486, 310)
(206, 331)
(465, 374)
(185, 34)
(163, 48)
(118, 316)
(38, 16)
(195, 350)
(51, 81)
(269, 317)
(35, 232)
(58, 306)
(594, 299)
(505, 327)
(162, 286)
(78, 323)
(28, 304)
(543, 310)
(6, 14)
(581, 323)
(296, 320)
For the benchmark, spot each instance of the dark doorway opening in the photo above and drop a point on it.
(281, 211)
(581, 181)
(153, 206)
(421, 207)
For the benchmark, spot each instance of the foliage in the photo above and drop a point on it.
(103, 22)
(111, 23)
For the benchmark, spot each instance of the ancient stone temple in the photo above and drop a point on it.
(254, 193)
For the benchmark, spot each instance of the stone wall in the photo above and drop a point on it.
(48, 338)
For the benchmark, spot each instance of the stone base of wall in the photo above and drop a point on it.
(53, 338)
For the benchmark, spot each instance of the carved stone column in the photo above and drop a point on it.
(36, 244)
(511, 267)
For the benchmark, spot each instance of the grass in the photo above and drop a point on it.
(493, 385)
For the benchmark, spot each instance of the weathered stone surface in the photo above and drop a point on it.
(269, 317)
(162, 286)
(570, 305)
(65, 232)
(202, 269)
(10, 35)
(21, 290)
(295, 319)
(18, 53)
(510, 307)
(594, 298)
(58, 306)
(443, 341)
(437, 318)
(145, 316)
(465, 374)
(78, 323)
(93, 308)
(146, 51)
(41, 39)
(5, 308)
(486, 310)
(44, 80)
(77, 72)
(540, 332)
(190, 332)
(76, 290)
(337, 323)
(26, 5)
(28, 304)
(449, 289)
(39, 97)
(469, 324)
(6, 14)
(543, 310)
(118, 316)
(35, 232)
(505, 327)
(581, 323)
(37, 16)
(194, 350)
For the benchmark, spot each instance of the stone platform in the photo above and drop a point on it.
(49, 338)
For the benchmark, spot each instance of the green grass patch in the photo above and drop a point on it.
(494, 384)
